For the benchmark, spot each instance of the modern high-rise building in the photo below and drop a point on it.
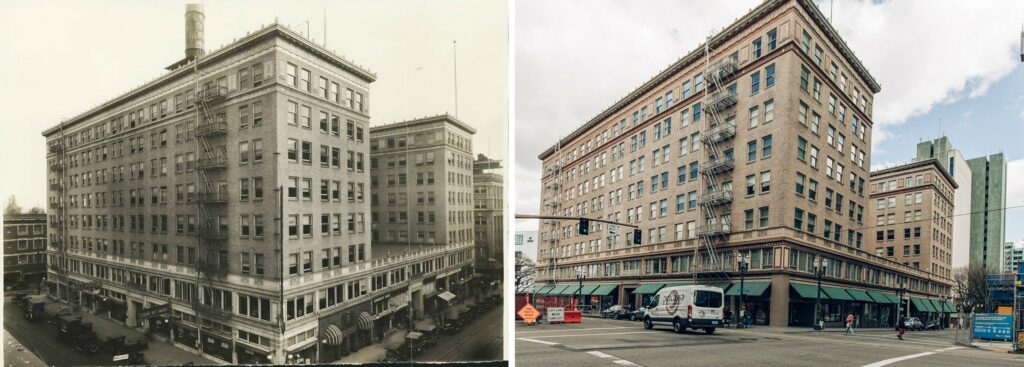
(754, 146)
(953, 161)
(988, 210)
(229, 199)
(488, 215)
(422, 182)
(1013, 255)
(911, 207)
(24, 248)
(981, 201)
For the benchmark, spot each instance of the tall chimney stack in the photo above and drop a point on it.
(194, 18)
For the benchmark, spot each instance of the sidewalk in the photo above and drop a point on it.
(995, 346)
(16, 354)
(161, 353)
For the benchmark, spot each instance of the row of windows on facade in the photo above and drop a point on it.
(911, 181)
(329, 190)
(327, 89)
(248, 305)
(422, 178)
(183, 100)
(12, 245)
(26, 259)
(355, 160)
(641, 115)
(399, 160)
(423, 138)
(401, 198)
(21, 230)
(422, 237)
(187, 224)
(302, 116)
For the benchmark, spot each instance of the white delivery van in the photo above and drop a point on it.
(688, 306)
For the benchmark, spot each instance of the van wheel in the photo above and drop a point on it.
(677, 326)
(648, 324)
(709, 330)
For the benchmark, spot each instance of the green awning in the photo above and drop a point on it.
(936, 305)
(649, 288)
(556, 290)
(754, 289)
(570, 290)
(922, 304)
(883, 297)
(948, 307)
(544, 289)
(807, 290)
(723, 285)
(836, 293)
(678, 284)
(588, 288)
(604, 289)
(859, 295)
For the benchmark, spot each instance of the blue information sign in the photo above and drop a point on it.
(993, 326)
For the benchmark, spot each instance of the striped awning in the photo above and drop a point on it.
(859, 295)
(365, 321)
(331, 335)
(604, 289)
(755, 289)
(650, 288)
(807, 290)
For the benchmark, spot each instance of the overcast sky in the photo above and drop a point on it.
(61, 58)
(947, 60)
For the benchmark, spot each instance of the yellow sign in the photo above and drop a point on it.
(1005, 310)
(528, 313)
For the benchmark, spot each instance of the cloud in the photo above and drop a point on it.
(949, 63)
(1015, 183)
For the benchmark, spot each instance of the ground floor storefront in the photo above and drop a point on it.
(771, 300)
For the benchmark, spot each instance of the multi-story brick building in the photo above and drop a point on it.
(24, 248)
(234, 189)
(912, 209)
(754, 145)
(422, 182)
(488, 215)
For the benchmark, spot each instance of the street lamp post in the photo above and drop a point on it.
(744, 265)
(580, 276)
(820, 265)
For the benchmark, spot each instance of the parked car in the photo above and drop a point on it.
(617, 312)
(914, 323)
(688, 306)
(638, 315)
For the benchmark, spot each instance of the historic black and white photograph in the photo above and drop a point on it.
(268, 182)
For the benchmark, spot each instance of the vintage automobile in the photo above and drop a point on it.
(80, 334)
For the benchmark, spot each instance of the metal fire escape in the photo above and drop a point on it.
(552, 205)
(58, 218)
(211, 202)
(717, 134)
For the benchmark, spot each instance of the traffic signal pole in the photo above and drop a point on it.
(531, 216)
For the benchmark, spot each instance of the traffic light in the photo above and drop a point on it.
(637, 235)
(584, 226)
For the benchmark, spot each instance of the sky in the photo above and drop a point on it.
(61, 58)
(944, 66)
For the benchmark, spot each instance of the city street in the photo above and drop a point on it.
(479, 341)
(599, 342)
(41, 339)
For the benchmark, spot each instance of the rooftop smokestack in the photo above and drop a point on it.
(194, 18)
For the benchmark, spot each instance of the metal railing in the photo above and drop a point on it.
(718, 165)
(212, 233)
(212, 93)
(213, 197)
(720, 133)
(215, 162)
(721, 101)
(716, 198)
(218, 126)
(57, 167)
(722, 70)
(717, 229)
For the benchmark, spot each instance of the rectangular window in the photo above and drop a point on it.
(769, 76)
(766, 146)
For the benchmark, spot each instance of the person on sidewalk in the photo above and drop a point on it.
(849, 324)
(901, 327)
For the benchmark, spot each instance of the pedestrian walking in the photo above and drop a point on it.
(849, 324)
(901, 327)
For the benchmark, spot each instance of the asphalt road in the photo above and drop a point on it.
(481, 340)
(41, 339)
(598, 342)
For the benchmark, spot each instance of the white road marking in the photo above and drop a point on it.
(537, 341)
(608, 334)
(912, 356)
(562, 331)
(889, 338)
(614, 359)
(599, 354)
(625, 362)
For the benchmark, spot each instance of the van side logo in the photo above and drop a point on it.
(672, 301)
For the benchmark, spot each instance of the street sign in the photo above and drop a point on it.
(120, 357)
(528, 313)
(163, 309)
(556, 314)
(613, 229)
